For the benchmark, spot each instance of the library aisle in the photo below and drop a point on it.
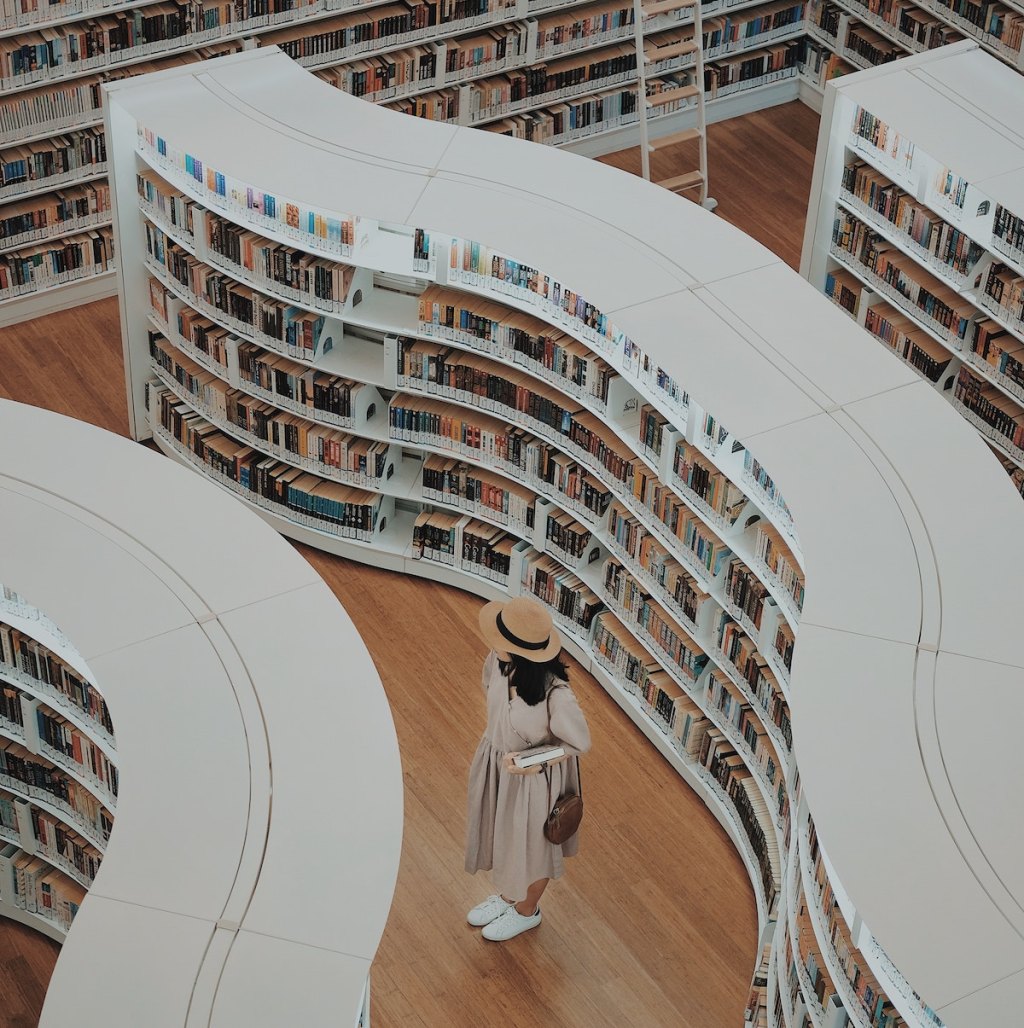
(655, 922)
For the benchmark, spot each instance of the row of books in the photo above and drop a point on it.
(728, 768)
(449, 480)
(819, 65)
(746, 592)
(491, 96)
(727, 75)
(743, 659)
(328, 450)
(992, 409)
(718, 493)
(911, 343)
(948, 246)
(756, 475)
(57, 157)
(19, 652)
(674, 584)
(1004, 286)
(490, 440)
(33, 884)
(571, 120)
(822, 988)
(64, 105)
(1004, 24)
(639, 674)
(1001, 351)
(749, 24)
(865, 988)
(61, 212)
(506, 332)
(72, 745)
(940, 304)
(921, 28)
(168, 203)
(277, 324)
(319, 395)
(567, 536)
(777, 558)
(317, 280)
(331, 231)
(518, 397)
(570, 599)
(62, 845)
(328, 506)
(882, 138)
(42, 265)
(32, 774)
(636, 606)
(733, 709)
(870, 46)
(460, 541)
(1008, 230)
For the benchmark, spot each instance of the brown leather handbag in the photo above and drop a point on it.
(564, 820)
(566, 813)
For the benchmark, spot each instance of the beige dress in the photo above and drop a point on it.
(506, 815)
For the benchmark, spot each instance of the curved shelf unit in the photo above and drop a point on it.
(680, 307)
(184, 640)
(50, 849)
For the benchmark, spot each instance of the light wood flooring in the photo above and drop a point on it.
(654, 923)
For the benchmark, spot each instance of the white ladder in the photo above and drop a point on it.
(696, 180)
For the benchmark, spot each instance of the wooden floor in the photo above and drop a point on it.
(654, 923)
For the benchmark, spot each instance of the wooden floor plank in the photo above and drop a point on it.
(654, 922)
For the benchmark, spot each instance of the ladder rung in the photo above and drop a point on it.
(677, 137)
(669, 95)
(664, 6)
(681, 182)
(663, 53)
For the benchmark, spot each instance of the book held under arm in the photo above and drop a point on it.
(538, 756)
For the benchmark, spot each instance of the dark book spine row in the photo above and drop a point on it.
(25, 654)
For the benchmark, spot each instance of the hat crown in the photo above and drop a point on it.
(527, 620)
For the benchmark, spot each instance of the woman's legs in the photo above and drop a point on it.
(528, 907)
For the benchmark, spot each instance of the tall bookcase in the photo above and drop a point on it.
(914, 229)
(173, 595)
(555, 71)
(389, 373)
(58, 771)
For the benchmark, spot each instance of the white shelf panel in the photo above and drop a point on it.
(189, 695)
(160, 973)
(101, 501)
(305, 778)
(272, 981)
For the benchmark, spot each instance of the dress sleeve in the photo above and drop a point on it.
(568, 725)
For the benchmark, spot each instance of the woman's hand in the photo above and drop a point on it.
(508, 763)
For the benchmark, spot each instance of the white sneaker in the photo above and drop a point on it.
(510, 924)
(486, 912)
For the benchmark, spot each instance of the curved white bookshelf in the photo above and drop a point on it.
(184, 639)
(858, 445)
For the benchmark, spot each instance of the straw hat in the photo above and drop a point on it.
(520, 625)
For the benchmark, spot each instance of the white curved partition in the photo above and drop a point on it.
(907, 640)
(210, 906)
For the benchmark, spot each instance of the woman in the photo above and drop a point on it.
(524, 680)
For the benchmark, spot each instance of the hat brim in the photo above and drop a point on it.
(492, 636)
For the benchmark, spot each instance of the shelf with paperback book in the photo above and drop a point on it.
(180, 643)
(56, 783)
(60, 213)
(950, 272)
(595, 443)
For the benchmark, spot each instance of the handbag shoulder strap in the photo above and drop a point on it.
(547, 770)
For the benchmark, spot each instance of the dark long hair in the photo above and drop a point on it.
(531, 678)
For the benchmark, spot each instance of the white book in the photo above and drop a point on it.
(539, 756)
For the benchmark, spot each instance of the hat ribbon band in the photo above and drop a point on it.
(516, 641)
